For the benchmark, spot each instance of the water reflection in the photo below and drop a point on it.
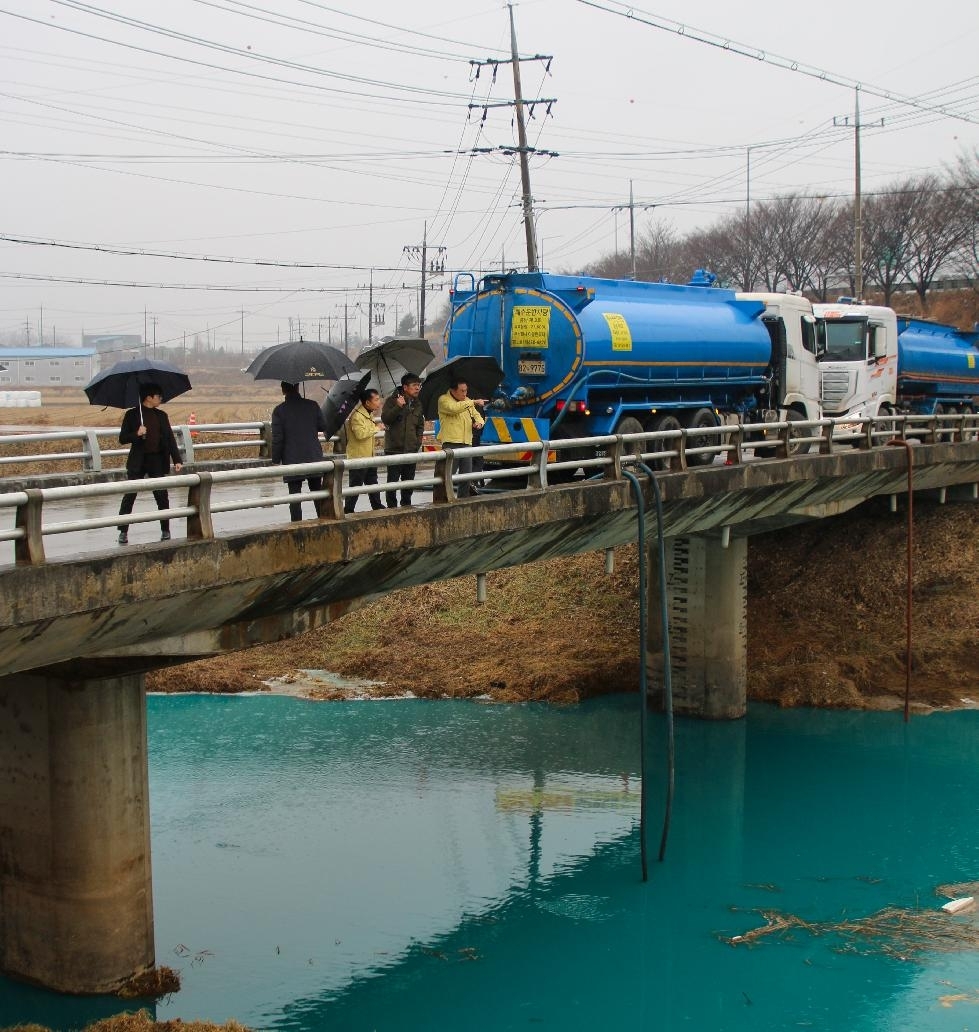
(413, 865)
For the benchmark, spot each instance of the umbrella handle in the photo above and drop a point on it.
(141, 423)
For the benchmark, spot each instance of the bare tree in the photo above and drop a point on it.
(937, 229)
(886, 220)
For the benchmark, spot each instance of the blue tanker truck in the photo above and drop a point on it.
(584, 356)
(875, 363)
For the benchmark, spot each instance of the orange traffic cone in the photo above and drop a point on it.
(192, 422)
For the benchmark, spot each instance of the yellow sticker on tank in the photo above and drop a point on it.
(530, 326)
(619, 328)
(972, 361)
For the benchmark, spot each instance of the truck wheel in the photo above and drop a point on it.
(969, 434)
(631, 425)
(664, 422)
(702, 417)
(796, 447)
(884, 414)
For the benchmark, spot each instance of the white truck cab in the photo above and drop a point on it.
(858, 360)
(792, 325)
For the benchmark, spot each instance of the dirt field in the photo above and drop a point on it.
(826, 610)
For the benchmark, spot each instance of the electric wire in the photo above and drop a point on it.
(758, 54)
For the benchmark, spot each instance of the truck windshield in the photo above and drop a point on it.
(845, 339)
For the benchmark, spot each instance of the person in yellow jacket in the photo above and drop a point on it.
(361, 430)
(457, 417)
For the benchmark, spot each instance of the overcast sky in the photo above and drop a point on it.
(305, 132)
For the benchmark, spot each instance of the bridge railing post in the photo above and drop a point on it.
(29, 549)
(613, 471)
(735, 443)
(679, 462)
(332, 508)
(199, 526)
(91, 452)
(185, 442)
(265, 446)
(866, 441)
(537, 472)
(444, 491)
(826, 437)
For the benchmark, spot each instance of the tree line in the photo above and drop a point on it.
(917, 231)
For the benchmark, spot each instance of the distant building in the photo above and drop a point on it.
(47, 367)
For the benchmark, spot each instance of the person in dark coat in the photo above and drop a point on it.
(147, 431)
(296, 425)
(404, 425)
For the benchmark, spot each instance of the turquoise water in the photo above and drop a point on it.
(447, 865)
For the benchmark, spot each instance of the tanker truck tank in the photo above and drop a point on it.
(584, 356)
(938, 367)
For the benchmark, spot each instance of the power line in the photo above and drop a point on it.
(36, 278)
(145, 253)
(238, 71)
(655, 21)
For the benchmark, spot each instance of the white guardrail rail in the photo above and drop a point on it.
(534, 466)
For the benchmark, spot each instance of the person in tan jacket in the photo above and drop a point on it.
(457, 417)
(361, 430)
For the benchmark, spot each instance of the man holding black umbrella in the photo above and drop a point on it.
(146, 429)
(404, 427)
(296, 424)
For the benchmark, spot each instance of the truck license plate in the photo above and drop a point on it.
(531, 367)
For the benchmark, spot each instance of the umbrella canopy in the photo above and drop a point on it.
(482, 374)
(341, 400)
(118, 386)
(388, 360)
(299, 360)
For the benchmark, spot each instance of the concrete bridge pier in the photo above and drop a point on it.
(76, 900)
(707, 590)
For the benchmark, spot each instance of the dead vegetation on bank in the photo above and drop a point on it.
(826, 625)
(141, 1021)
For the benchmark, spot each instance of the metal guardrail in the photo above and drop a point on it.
(667, 450)
(253, 437)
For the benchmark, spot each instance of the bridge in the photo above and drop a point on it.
(78, 634)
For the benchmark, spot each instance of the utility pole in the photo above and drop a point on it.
(746, 282)
(144, 331)
(527, 197)
(154, 336)
(632, 225)
(857, 198)
(243, 331)
(523, 150)
(435, 265)
(41, 326)
(632, 230)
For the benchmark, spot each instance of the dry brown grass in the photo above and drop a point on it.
(825, 625)
(140, 1021)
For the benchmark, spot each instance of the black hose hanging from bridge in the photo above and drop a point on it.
(902, 442)
(664, 616)
(643, 634)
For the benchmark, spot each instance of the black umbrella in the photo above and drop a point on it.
(118, 386)
(482, 374)
(341, 400)
(393, 356)
(299, 360)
